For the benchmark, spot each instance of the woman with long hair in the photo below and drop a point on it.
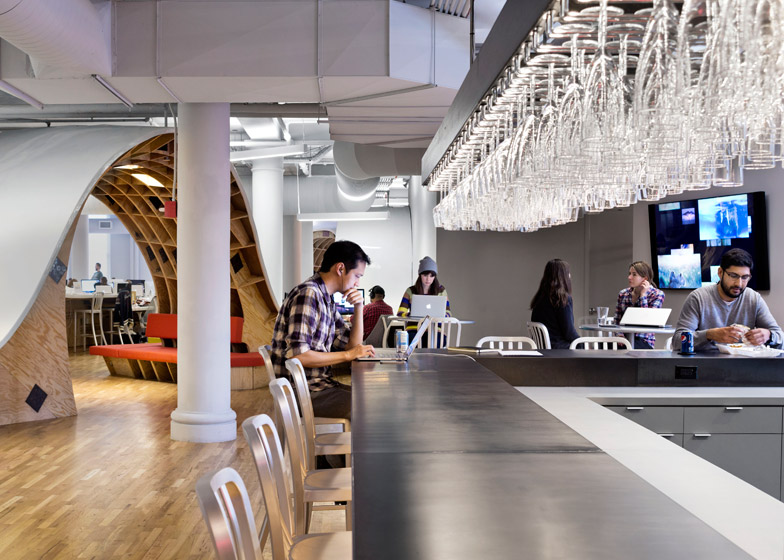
(426, 284)
(642, 292)
(552, 304)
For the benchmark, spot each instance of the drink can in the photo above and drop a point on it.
(687, 342)
(401, 342)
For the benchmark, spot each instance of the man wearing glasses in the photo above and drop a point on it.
(729, 312)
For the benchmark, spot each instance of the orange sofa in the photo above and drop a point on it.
(158, 362)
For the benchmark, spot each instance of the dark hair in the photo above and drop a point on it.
(556, 285)
(98, 265)
(435, 288)
(377, 291)
(643, 269)
(346, 252)
(736, 257)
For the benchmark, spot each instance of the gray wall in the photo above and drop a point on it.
(491, 276)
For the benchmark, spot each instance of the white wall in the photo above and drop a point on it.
(388, 244)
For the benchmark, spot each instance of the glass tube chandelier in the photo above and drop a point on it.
(603, 107)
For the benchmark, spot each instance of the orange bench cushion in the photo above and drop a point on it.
(164, 325)
(160, 353)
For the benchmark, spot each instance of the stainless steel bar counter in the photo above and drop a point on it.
(452, 462)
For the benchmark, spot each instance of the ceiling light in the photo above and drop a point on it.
(344, 217)
(147, 180)
(128, 167)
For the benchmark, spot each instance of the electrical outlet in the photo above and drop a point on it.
(685, 372)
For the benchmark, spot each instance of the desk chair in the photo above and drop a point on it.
(226, 510)
(668, 344)
(96, 310)
(507, 343)
(439, 333)
(600, 343)
(309, 484)
(539, 333)
(376, 336)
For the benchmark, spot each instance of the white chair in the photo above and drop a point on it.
(600, 343)
(96, 310)
(309, 484)
(668, 344)
(390, 322)
(439, 333)
(539, 333)
(374, 337)
(226, 509)
(507, 343)
(333, 443)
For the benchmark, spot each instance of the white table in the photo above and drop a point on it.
(626, 330)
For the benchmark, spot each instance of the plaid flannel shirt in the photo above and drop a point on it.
(308, 320)
(653, 298)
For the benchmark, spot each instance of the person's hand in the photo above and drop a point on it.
(360, 351)
(728, 335)
(757, 337)
(642, 289)
(354, 297)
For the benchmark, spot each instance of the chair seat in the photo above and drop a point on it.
(328, 485)
(335, 443)
(324, 546)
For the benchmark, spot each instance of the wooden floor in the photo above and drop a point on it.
(109, 482)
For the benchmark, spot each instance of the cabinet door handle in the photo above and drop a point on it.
(702, 435)
(635, 408)
(667, 435)
(733, 408)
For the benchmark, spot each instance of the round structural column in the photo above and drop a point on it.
(203, 411)
(268, 218)
(423, 231)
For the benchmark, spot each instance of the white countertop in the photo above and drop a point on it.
(745, 515)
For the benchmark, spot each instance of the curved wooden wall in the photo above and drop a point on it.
(137, 206)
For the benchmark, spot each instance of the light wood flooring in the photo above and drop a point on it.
(109, 482)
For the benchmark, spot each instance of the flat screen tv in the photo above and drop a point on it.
(689, 237)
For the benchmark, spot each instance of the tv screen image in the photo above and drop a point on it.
(692, 235)
(725, 217)
(681, 270)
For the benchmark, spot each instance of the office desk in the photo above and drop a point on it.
(626, 330)
(451, 462)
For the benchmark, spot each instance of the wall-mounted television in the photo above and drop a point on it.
(689, 237)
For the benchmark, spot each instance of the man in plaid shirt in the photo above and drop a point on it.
(310, 328)
(640, 293)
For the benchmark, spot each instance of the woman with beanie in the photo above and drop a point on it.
(426, 284)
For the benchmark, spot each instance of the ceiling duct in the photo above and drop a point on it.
(362, 161)
(357, 191)
(62, 39)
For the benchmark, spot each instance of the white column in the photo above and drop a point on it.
(423, 231)
(203, 411)
(78, 263)
(267, 200)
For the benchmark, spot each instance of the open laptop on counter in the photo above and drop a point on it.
(390, 354)
(645, 317)
(422, 306)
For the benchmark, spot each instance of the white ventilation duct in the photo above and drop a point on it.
(360, 161)
(359, 191)
(61, 38)
(320, 194)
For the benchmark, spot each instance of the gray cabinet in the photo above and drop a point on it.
(755, 458)
(746, 441)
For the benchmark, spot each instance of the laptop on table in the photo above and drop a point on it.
(655, 317)
(390, 354)
(433, 306)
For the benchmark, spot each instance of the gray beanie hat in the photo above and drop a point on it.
(427, 264)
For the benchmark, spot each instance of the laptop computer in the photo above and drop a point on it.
(434, 306)
(645, 317)
(390, 354)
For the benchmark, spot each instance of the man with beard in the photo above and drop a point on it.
(729, 312)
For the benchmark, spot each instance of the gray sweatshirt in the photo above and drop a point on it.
(704, 309)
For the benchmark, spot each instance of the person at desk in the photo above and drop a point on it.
(375, 309)
(729, 312)
(310, 328)
(97, 275)
(103, 281)
(642, 292)
(552, 304)
(426, 284)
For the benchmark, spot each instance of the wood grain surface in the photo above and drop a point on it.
(110, 482)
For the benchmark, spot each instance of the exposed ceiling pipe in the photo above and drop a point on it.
(362, 161)
(62, 39)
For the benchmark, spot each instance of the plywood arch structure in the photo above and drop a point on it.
(137, 205)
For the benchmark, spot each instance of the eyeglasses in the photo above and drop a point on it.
(744, 278)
